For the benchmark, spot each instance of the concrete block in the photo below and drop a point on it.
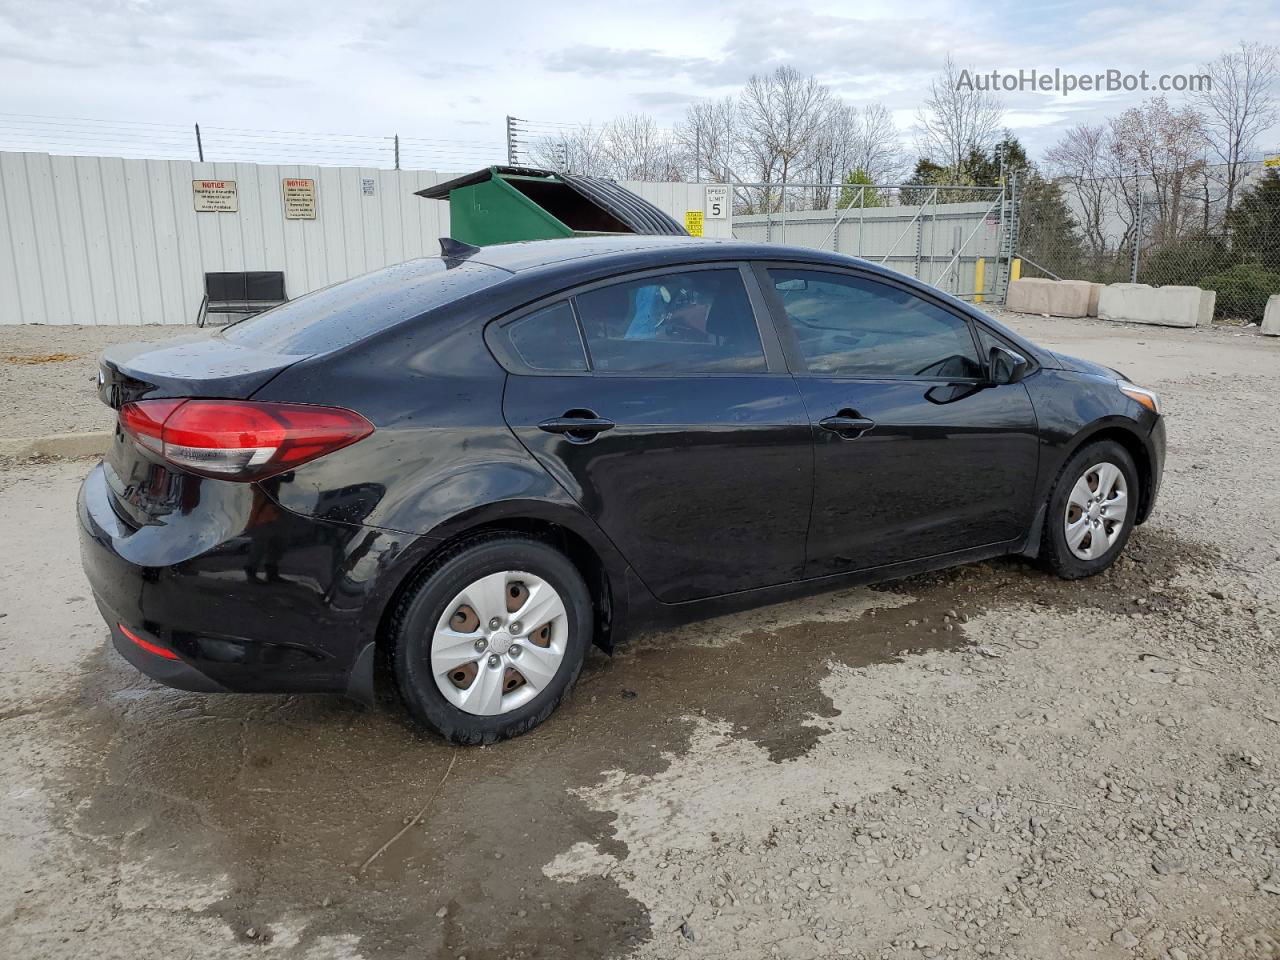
(1163, 306)
(1095, 291)
(1208, 300)
(1271, 318)
(1057, 298)
(1027, 295)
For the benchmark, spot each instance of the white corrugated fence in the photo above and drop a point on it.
(94, 240)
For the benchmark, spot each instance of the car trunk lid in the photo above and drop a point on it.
(145, 489)
(193, 366)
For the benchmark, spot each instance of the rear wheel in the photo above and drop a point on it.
(1091, 511)
(490, 640)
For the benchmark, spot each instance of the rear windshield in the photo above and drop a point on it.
(338, 316)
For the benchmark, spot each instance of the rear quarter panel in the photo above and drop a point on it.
(442, 459)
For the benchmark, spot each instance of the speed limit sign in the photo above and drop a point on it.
(717, 203)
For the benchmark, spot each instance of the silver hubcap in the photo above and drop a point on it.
(1097, 510)
(499, 643)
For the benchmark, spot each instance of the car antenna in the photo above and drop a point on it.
(452, 249)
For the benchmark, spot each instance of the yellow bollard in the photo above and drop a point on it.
(1015, 273)
(979, 278)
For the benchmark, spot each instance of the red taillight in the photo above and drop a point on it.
(147, 645)
(240, 439)
(145, 421)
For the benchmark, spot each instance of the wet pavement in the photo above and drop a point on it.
(287, 798)
(269, 813)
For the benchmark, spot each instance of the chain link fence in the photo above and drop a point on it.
(1189, 230)
(958, 238)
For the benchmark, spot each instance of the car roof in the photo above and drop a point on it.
(632, 251)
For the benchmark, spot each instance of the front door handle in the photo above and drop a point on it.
(847, 424)
(579, 426)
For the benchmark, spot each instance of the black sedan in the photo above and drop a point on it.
(451, 476)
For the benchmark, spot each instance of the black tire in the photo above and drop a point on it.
(1055, 552)
(412, 629)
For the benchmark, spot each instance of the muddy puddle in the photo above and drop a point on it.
(260, 811)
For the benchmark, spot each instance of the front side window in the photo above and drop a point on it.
(848, 326)
(695, 321)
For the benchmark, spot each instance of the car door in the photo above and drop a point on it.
(657, 403)
(916, 453)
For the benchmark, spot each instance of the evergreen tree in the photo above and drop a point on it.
(926, 173)
(1255, 223)
(1048, 232)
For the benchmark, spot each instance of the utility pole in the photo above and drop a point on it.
(513, 141)
(396, 138)
(1137, 236)
(199, 145)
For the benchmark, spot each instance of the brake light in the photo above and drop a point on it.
(240, 439)
(145, 421)
(147, 645)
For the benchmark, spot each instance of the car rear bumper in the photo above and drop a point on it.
(176, 673)
(235, 593)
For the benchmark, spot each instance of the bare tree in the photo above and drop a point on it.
(782, 116)
(877, 146)
(1165, 149)
(1238, 105)
(638, 149)
(709, 134)
(957, 120)
(630, 147)
(1080, 161)
(833, 151)
(851, 141)
(577, 150)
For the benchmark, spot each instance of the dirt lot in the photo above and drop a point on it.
(47, 375)
(982, 762)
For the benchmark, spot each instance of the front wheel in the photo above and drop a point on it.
(489, 640)
(1091, 511)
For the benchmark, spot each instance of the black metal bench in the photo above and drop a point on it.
(244, 293)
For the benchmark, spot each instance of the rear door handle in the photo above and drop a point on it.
(847, 424)
(578, 425)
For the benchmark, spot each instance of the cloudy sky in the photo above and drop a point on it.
(448, 75)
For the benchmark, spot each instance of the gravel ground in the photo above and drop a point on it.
(48, 374)
(982, 762)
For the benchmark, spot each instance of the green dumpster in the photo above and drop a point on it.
(506, 204)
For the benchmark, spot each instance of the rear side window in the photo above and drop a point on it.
(694, 321)
(346, 312)
(849, 326)
(548, 339)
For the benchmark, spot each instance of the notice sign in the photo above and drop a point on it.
(693, 222)
(299, 199)
(215, 196)
(717, 203)
(368, 186)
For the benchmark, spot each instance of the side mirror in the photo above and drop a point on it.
(1007, 366)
